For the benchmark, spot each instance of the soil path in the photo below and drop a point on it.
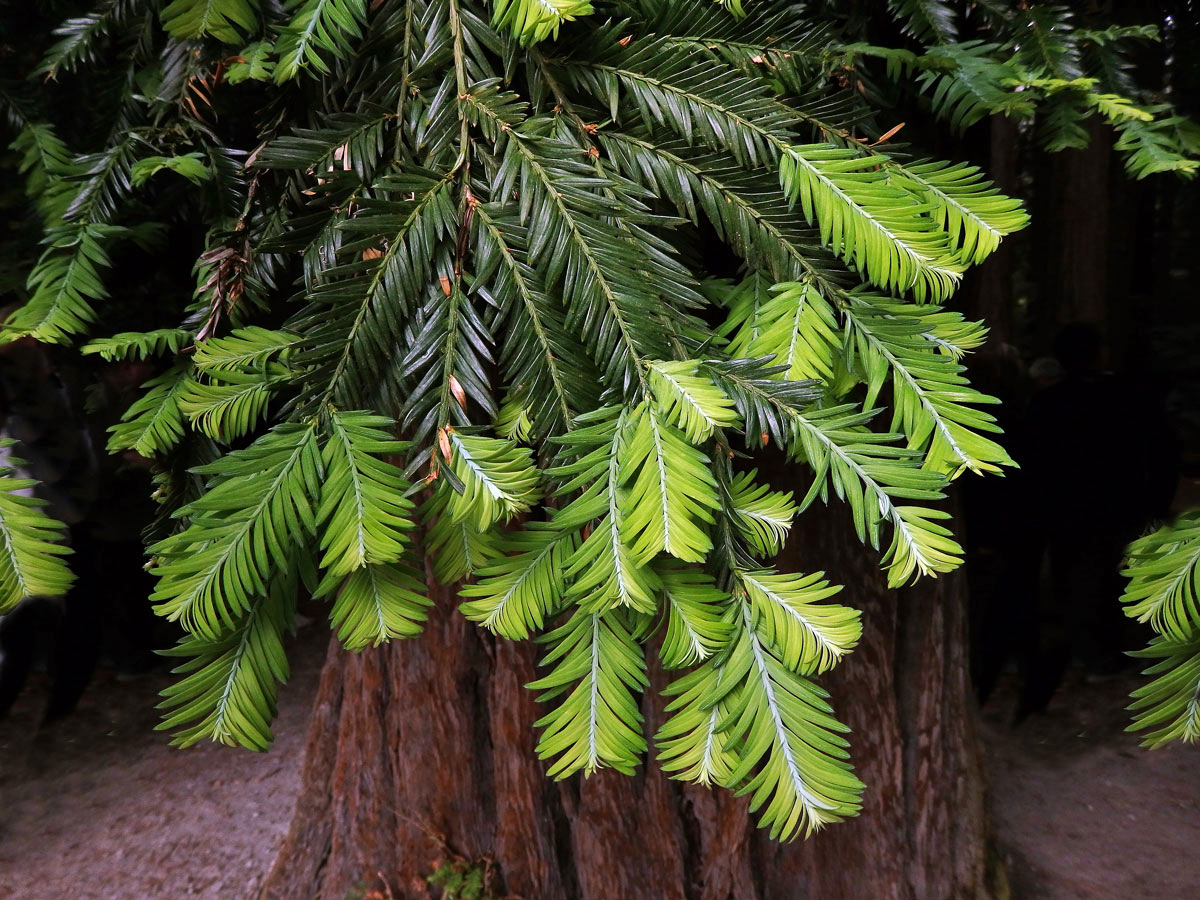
(1082, 812)
(103, 809)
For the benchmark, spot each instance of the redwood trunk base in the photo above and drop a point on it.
(421, 753)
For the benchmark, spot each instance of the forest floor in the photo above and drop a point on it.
(1082, 812)
(102, 809)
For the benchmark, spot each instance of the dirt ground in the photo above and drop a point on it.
(1081, 811)
(103, 809)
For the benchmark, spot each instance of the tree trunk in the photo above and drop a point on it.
(422, 752)
(987, 289)
(1081, 243)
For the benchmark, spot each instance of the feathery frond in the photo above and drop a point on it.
(545, 361)
(364, 514)
(1154, 147)
(689, 401)
(809, 636)
(1170, 704)
(498, 477)
(669, 492)
(350, 326)
(154, 423)
(242, 349)
(257, 510)
(253, 63)
(930, 395)
(32, 543)
(676, 88)
(972, 212)
(926, 20)
(789, 750)
(82, 39)
(603, 572)
(766, 404)
(797, 328)
(691, 742)
(870, 476)
(532, 21)
(65, 284)
(456, 547)
(226, 20)
(227, 692)
(1163, 568)
(138, 344)
(188, 165)
(696, 622)
(317, 26)
(1164, 572)
(377, 602)
(883, 230)
(598, 666)
(229, 404)
(764, 517)
(514, 595)
(607, 280)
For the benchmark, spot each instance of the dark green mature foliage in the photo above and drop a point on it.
(454, 302)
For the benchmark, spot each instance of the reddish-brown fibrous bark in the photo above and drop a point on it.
(422, 751)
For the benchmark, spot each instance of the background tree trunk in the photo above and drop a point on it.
(423, 751)
(987, 289)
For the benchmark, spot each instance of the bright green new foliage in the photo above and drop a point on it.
(1164, 590)
(517, 287)
(31, 548)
